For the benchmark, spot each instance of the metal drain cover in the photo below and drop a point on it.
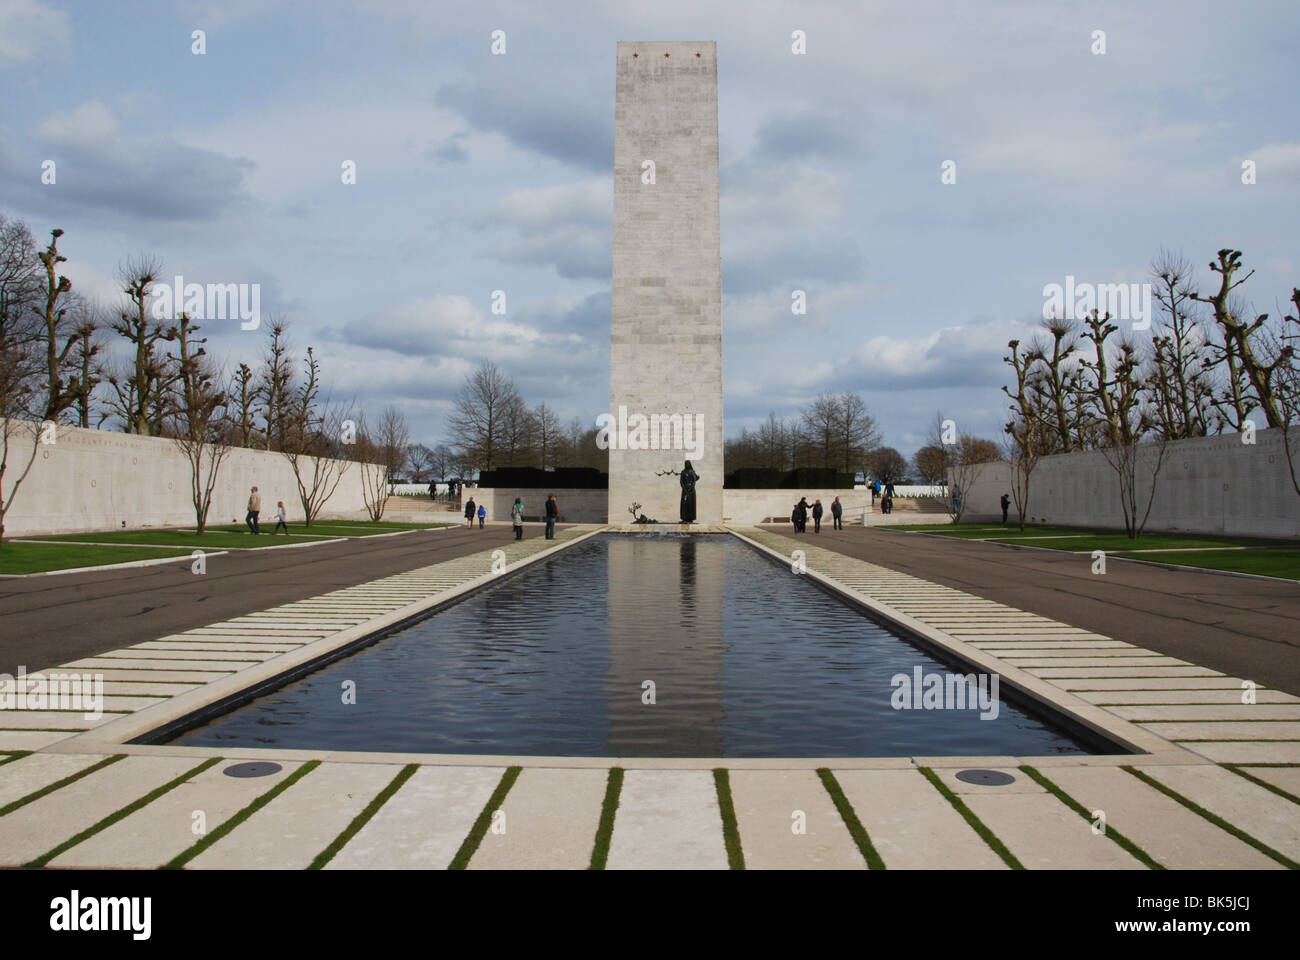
(986, 778)
(255, 768)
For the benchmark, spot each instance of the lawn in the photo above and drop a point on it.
(43, 557)
(1274, 558)
(226, 536)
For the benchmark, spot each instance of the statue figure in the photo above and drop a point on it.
(688, 478)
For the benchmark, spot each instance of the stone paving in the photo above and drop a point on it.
(1216, 785)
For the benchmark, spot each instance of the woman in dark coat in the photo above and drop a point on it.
(688, 478)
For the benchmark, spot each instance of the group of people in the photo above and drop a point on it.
(799, 517)
(516, 516)
(885, 492)
(255, 509)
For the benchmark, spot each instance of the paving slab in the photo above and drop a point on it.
(211, 667)
(1248, 751)
(1122, 697)
(1247, 806)
(32, 739)
(161, 678)
(1174, 836)
(42, 825)
(1126, 672)
(911, 825)
(1201, 712)
(1045, 834)
(424, 823)
(156, 833)
(766, 802)
(51, 720)
(18, 778)
(1229, 730)
(1150, 683)
(551, 817)
(1287, 778)
(668, 819)
(289, 832)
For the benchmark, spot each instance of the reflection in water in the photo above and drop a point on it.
(747, 660)
(665, 627)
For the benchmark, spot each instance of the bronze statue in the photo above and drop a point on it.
(688, 478)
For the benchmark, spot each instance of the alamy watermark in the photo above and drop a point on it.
(55, 691)
(208, 301)
(946, 691)
(1128, 302)
(658, 431)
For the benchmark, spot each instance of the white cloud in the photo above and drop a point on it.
(27, 29)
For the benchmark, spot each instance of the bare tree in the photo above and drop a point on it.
(21, 396)
(87, 363)
(964, 454)
(200, 412)
(1240, 340)
(1024, 441)
(242, 405)
(1123, 449)
(858, 434)
(392, 439)
(478, 422)
(56, 339)
(1179, 380)
(275, 385)
(372, 465)
(316, 433)
(546, 433)
(140, 392)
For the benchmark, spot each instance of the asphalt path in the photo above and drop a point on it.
(1242, 626)
(54, 619)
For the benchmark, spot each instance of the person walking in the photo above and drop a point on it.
(254, 508)
(837, 511)
(1006, 505)
(803, 514)
(517, 518)
(482, 515)
(817, 517)
(552, 514)
(794, 518)
(279, 519)
(469, 513)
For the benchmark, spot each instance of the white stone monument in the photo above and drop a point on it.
(666, 330)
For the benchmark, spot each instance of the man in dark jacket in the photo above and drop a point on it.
(837, 511)
(552, 514)
(469, 512)
(817, 517)
(803, 514)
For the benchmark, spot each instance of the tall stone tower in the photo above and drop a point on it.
(666, 331)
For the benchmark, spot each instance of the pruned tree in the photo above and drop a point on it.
(1023, 444)
(86, 361)
(1179, 379)
(141, 391)
(198, 420)
(241, 408)
(1241, 338)
(316, 433)
(274, 392)
(1136, 464)
(56, 338)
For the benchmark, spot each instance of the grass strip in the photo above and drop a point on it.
(1083, 811)
(1218, 821)
(1236, 768)
(608, 808)
(57, 784)
(730, 829)
(850, 818)
(976, 824)
(126, 811)
(16, 755)
(480, 828)
(362, 818)
(207, 840)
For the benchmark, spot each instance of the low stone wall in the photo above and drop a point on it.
(576, 505)
(1206, 485)
(746, 507)
(89, 480)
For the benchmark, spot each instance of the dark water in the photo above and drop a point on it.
(747, 660)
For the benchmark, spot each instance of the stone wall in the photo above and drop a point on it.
(1205, 485)
(88, 480)
(747, 507)
(576, 506)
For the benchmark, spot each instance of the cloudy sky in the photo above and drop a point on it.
(477, 172)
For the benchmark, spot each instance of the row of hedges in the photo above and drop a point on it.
(804, 478)
(582, 478)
